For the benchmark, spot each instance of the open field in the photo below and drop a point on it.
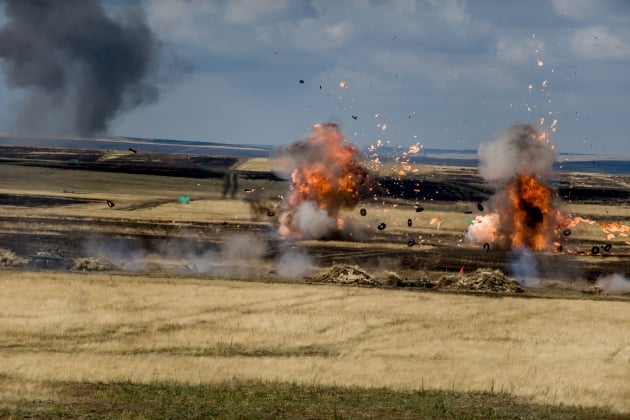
(169, 311)
(106, 328)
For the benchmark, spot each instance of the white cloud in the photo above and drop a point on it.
(523, 50)
(599, 43)
(576, 9)
(251, 11)
(181, 21)
(309, 34)
(590, 10)
(452, 11)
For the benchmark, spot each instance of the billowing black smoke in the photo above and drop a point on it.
(78, 66)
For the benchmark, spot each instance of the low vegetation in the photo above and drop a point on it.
(238, 399)
(168, 333)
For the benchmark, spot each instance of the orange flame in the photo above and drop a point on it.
(530, 203)
(526, 216)
(325, 169)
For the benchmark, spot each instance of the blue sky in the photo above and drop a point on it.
(445, 74)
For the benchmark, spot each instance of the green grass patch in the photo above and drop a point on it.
(267, 400)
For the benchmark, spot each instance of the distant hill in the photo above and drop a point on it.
(565, 162)
(140, 144)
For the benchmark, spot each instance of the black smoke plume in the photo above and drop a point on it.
(79, 66)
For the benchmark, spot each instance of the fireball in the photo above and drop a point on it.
(525, 213)
(327, 175)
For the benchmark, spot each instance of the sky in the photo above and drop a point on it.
(446, 74)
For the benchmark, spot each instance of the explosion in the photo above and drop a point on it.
(525, 212)
(326, 175)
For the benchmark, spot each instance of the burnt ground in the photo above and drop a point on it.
(26, 235)
(146, 163)
(68, 234)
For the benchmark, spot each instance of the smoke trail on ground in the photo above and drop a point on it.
(79, 66)
(236, 256)
(120, 252)
(614, 283)
(294, 264)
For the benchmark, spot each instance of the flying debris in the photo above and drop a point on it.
(363, 212)
(132, 150)
(301, 81)
(354, 117)
(409, 222)
(411, 242)
(110, 203)
(480, 207)
(419, 209)
(382, 226)
(486, 247)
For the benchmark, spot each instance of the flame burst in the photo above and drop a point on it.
(326, 175)
(525, 212)
(531, 215)
(525, 216)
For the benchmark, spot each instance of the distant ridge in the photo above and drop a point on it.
(565, 162)
(140, 144)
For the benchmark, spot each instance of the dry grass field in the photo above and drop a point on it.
(167, 323)
(60, 327)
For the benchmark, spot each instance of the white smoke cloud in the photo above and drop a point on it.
(483, 229)
(294, 264)
(237, 256)
(519, 149)
(120, 252)
(614, 283)
(310, 220)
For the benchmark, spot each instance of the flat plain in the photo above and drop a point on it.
(158, 317)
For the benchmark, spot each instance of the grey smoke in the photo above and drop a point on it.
(294, 264)
(614, 283)
(524, 267)
(516, 150)
(237, 256)
(313, 222)
(124, 254)
(79, 66)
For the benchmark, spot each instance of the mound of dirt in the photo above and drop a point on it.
(9, 259)
(92, 264)
(345, 274)
(484, 280)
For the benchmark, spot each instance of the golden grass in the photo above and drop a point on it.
(96, 327)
